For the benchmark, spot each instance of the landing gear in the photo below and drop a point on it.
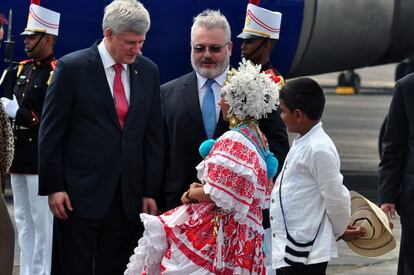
(349, 82)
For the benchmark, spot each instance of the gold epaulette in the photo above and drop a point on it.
(53, 65)
(21, 66)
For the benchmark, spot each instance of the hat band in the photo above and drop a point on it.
(264, 34)
(35, 30)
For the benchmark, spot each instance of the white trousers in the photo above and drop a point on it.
(34, 224)
(268, 252)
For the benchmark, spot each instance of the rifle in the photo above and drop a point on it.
(8, 78)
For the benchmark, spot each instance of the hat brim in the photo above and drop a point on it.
(377, 247)
(369, 249)
(30, 33)
(246, 35)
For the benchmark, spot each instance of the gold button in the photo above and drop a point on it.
(33, 119)
(34, 68)
(35, 86)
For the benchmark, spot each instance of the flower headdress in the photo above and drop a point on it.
(249, 92)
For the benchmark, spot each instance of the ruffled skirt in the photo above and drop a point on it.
(197, 239)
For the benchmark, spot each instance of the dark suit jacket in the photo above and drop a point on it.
(184, 132)
(82, 149)
(396, 169)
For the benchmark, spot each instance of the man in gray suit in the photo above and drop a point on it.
(100, 146)
(186, 117)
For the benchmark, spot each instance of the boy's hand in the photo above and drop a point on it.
(352, 233)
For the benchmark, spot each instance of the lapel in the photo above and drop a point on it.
(189, 94)
(98, 78)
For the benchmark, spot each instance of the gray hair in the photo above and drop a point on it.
(126, 16)
(210, 19)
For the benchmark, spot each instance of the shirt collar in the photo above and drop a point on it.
(201, 80)
(107, 59)
(314, 129)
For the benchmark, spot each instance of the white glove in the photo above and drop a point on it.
(10, 106)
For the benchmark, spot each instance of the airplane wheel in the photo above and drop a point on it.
(349, 79)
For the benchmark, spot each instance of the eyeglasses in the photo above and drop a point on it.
(211, 49)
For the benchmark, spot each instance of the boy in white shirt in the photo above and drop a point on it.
(308, 200)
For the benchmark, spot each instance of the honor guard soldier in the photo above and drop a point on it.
(260, 34)
(31, 212)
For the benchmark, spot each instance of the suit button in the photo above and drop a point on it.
(15, 138)
(30, 139)
(274, 235)
(33, 119)
(35, 86)
(271, 218)
(273, 201)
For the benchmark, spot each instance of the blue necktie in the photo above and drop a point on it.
(209, 110)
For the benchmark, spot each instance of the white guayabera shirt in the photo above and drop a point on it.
(312, 192)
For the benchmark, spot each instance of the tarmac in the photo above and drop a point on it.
(348, 262)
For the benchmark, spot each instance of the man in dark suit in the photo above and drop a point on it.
(183, 101)
(396, 169)
(101, 147)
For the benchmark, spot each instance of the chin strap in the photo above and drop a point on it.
(257, 48)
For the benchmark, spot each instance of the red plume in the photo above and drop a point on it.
(254, 2)
(37, 2)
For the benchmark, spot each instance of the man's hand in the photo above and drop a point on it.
(352, 233)
(149, 206)
(10, 106)
(58, 203)
(389, 209)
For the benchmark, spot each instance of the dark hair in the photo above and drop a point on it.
(304, 94)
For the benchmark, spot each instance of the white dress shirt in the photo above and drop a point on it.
(311, 185)
(108, 63)
(202, 89)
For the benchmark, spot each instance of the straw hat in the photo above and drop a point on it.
(378, 238)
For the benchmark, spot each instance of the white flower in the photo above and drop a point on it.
(249, 92)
